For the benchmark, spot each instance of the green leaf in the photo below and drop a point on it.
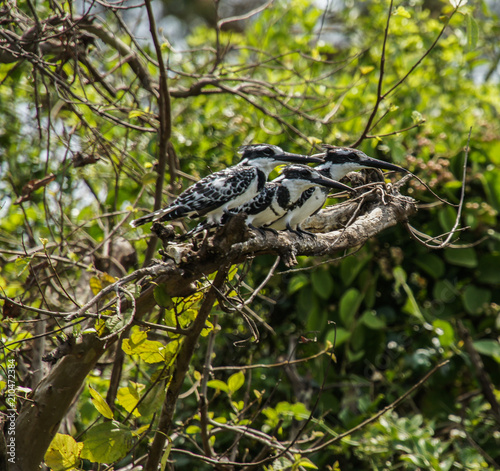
(100, 404)
(207, 329)
(444, 291)
(372, 321)
(349, 305)
(152, 402)
(355, 356)
(399, 276)
(148, 350)
(218, 384)
(95, 285)
(358, 337)
(193, 429)
(297, 282)
(461, 257)
(351, 266)
(232, 272)
(303, 462)
(166, 454)
(162, 298)
(447, 217)
(366, 69)
(416, 117)
(297, 410)
(432, 264)
(488, 347)
(445, 332)
(489, 269)
(411, 305)
(235, 382)
(401, 11)
(135, 113)
(129, 396)
(475, 299)
(63, 453)
(337, 336)
(107, 442)
(322, 283)
(472, 32)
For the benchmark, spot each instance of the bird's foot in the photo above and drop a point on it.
(304, 232)
(262, 230)
(299, 232)
(200, 228)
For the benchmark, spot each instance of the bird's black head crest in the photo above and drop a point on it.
(342, 154)
(255, 151)
(356, 159)
(297, 171)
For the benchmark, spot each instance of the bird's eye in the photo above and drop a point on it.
(268, 151)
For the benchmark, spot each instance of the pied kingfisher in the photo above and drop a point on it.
(339, 161)
(216, 194)
(282, 194)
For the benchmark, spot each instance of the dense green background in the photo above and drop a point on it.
(395, 303)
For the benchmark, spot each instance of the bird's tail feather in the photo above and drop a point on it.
(151, 217)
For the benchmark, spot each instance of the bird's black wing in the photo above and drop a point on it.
(210, 193)
(260, 202)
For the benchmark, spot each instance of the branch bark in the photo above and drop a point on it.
(183, 362)
(42, 413)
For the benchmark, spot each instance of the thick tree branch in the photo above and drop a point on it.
(41, 414)
(182, 366)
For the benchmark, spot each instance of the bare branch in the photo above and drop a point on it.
(447, 241)
(245, 16)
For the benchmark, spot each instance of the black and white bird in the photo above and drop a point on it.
(219, 192)
(338, 162)
(282, 194)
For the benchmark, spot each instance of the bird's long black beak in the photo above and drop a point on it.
(297, 158)
(329, 183)
(370, 162)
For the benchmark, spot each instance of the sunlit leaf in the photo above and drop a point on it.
(218, 384)
(235, 382)
(472, 32)
(151, 351)
(129, 396)
(445, 332)
(402, 11)
(366, 69)
(63, 453)
(100, 403)
(107, 442)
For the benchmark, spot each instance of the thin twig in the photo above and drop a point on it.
(165, 130)
(380, 80)
(273, 365)
(454, 229)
